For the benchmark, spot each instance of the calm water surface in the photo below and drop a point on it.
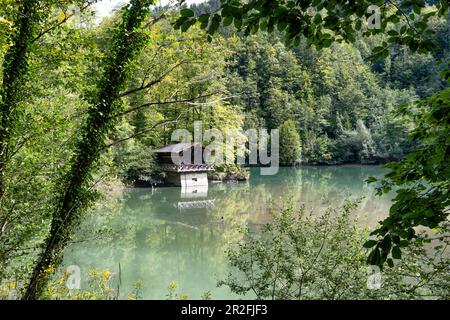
(169, 234)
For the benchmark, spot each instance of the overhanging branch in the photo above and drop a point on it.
(137, 134)
(164, 14)
(151, 83)
(57, 24)
(190, 101)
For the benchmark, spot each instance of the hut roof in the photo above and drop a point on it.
(176, 148)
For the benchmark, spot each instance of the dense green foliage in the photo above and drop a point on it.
(423, 177)
(322, 23)
(427, 179)
(303, 256)
(26, 115)
(290, 146)
(74, 189)
(15, 67)
(82, 103)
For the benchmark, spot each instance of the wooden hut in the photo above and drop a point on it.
(183, 164)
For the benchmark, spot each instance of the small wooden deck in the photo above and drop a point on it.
(186, 168)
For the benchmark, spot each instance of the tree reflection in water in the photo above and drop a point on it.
(168, 234)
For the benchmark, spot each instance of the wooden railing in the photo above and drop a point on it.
(187, 167)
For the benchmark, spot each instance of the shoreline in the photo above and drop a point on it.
(296, 167)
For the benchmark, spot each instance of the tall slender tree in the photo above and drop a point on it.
(15, 68)
(74, 193)
(28, 23)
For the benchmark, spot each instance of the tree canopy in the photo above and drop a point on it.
(322, 23)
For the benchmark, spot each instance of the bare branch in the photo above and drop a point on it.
(137, 134)
(161, 103)
(57, 24)
(164, 14)
(404, 15)
(210, 103)
(151, 83)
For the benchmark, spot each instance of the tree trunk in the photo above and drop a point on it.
(15, 68)
(75, 194)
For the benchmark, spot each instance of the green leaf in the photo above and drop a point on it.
(390, 263)
(371, 180)
(215, 23)
(403, 243)
(317, 19)
(263, 25)
(395, 239)
(187, 12)
(392, 33)
(281, 25)
(185, 26)
(369, 244)
(374, 257)
(378, 49)
(386, 243)
(396, 252)
(227, 21)
(238, 23)
(203, 18)
(331, 21)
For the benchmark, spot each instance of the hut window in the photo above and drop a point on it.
(194, 179)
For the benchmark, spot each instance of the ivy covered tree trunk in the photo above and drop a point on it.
(75, 195)
(15, 67)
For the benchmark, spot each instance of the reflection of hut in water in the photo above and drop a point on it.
(188, 207)
(183, 164)
(194, 198)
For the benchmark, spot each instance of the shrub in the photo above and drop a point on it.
(309, 256)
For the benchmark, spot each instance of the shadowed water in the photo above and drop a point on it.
(169, 234)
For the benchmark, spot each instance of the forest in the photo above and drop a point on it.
(84, 102)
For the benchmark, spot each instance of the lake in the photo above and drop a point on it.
(168, 234)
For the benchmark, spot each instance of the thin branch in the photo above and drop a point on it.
(151, 83)
(404, 15)
(67, 16)
(137, 134)
(188, 84)
(164, 14)
(161, 103)
(210, 103)
(20, 145)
